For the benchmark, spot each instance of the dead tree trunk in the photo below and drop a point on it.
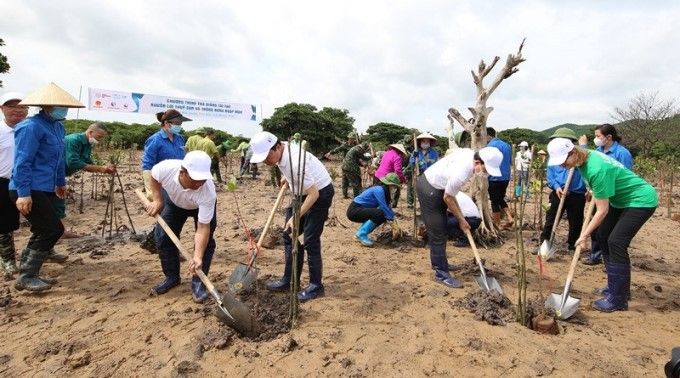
(476, 126)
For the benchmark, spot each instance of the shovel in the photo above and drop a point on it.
(486, 283)
(547, 248)
(565, 305)
(229, 310)
(243, 278)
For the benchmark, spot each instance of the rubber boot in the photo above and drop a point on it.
(54, 257)
(618, 284)
(51, 281)
(28, 272)
(441, 268)
(8, 263)
(170, 265)
(362, 234)
(604, 291)
(315, 288)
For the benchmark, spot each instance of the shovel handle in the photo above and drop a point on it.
(268, 224)
(577, 253)
(570, 175)
(471, 240)
(173, 237)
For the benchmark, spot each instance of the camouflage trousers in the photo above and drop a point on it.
(351, 178)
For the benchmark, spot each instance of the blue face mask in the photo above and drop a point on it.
(58, 113)
(175, 129)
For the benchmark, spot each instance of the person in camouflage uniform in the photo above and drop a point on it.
(352, 140)
(351, 169)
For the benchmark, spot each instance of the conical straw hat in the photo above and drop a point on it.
(427, 136)
(51, 95)
(399, 147)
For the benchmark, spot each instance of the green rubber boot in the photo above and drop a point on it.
(28, 271)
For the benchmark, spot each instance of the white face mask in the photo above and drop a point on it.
(424, 145)
(92, 141)
(598, 142)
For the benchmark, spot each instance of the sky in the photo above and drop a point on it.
(404, 62)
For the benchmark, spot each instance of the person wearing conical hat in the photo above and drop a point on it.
(13, 113)
(39, 178)
(391, 162)
(425, 156)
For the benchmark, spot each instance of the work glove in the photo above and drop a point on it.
(396, 230)
(147, 184)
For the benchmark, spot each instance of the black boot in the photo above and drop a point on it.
(618, 285)
(51, 281)
(315, 288)
(8, 254)
(170, 265)
(54, 257)
(28, 271)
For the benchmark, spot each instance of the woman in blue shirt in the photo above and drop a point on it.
(371, 207)
(38, 178)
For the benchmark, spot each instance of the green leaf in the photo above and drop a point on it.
(232, 184)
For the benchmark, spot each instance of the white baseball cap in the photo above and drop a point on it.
(197, 164)
(558, 150)
(261, 143)
(492, 158)
(524, 144)
(9, 96)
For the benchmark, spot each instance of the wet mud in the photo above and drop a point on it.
(491, 307)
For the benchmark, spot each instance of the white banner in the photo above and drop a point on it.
(130, 102)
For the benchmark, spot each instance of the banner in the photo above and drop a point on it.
(130, 102)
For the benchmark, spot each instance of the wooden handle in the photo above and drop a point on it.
(561, 205)
(577, 253)
(265, 230)
(179, 246)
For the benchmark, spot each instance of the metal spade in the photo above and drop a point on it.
(243, 278)
(565, 305)
(486, 283)
(547, 248)
(229, 310)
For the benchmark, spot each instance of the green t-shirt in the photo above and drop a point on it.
(609, 179)
(78, 152)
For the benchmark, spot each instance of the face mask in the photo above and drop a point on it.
(92, 141)
(598, 142)
(175, 129)
(58, 113)
(424, 146)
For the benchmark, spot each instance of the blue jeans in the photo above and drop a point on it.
(311, 225)
(175, 217)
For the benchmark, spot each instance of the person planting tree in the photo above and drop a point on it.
(371, 208)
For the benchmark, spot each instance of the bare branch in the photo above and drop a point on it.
(461, 120)
(510, 68)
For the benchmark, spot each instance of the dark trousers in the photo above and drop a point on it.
(351, 178)
(215, 168)
(497, 191)
(573, 205)
(311, 225)
(9, 215)
(433, 211)
(46, 228)
(360, 214)
(617, 230)
(453, 230)
(175, 217)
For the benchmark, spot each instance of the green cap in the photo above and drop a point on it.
(564, 132)
(390, 179)
(460, 137)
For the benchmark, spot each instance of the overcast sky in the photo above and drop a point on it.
(404, 62)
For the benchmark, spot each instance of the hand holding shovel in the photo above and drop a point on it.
(547, 248)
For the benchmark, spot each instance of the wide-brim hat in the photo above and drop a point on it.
(564, 132)
(399, 147)
(51, 95)
(427, 136)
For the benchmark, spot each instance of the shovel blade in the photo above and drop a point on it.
(235, 314)
(489, 284)
(554, 301)
(546, 250)
(242, 279)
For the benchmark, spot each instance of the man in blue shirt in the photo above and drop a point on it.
(575, 201)
(498, 185)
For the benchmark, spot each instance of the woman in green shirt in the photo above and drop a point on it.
(624, 203)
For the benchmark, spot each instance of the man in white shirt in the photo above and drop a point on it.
(183, 189)
(13, 113)
(437, 189)
(317, 189)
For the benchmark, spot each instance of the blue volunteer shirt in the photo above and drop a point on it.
(38, 155)
(159, 147)
(557, 178)
(425, 160)
(506, 163)
(375, 197)
(620, 154)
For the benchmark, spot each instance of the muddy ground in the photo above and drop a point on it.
(382, 313)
